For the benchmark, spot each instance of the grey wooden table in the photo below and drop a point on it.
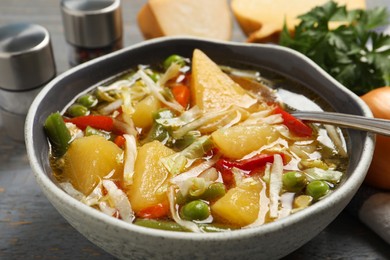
(30, 228)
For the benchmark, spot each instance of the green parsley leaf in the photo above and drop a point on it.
(353, 52)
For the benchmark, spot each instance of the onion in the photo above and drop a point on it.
(379, 172)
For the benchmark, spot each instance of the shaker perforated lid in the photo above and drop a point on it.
(92, 23)
(26, 57)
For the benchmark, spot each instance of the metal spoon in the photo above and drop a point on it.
(265, 93)
(374, 125)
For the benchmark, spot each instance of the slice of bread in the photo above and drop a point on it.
(262, 20)
(202, 18)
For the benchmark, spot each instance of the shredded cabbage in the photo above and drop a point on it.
(139, 91)
(185, 118)
(238, 176)
(206, 119)
(125, 125)
(267, 173)
(227, 120)
(211, 175)
(68, 188)
(129, 159)
(111, 107)
(74, 131)
(195, 171)
(263, 117)
(156, 90)
(119, 200)
(172, 72)
(324, 175)
(121, 83)
(279, 145)
(127, 106)
(178, 162)
(335, 137)
(287, 200)
(285, 132)
(107, 209)
(95, 196)
(275, 185)
(194, 186)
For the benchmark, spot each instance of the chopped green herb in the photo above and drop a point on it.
(353, 53)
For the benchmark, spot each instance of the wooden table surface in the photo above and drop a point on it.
(30, 228)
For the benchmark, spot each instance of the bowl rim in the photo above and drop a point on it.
(47, 183)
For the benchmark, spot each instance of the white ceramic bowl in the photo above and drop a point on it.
(127, 241)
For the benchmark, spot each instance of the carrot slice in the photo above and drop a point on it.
(181, 93)
(156, 211)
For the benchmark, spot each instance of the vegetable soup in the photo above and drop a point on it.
(188, 145)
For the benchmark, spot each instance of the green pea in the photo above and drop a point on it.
(173, 59)
(214, 191)
(195, 210)
(77, 110)
(294, 181)
(87, 100)
(317, 189)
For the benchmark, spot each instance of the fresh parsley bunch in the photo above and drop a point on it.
(352, 52)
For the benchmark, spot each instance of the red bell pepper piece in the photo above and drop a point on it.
(250, 165)
(153, 212)
(294, 124)
(226, 172)
(96, 121)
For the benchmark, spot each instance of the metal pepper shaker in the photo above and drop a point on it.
(92, 28)
(26, 65)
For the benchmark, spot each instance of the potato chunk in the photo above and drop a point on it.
(240, 205)
(143, 114)
(89, 159)
(212, 89)
(150, 176)
(238, 141)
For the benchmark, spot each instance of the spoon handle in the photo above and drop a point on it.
(378, 126)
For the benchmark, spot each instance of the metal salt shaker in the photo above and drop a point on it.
(26, 65)
(92, 28)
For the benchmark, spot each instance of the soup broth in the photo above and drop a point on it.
(188, 145)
